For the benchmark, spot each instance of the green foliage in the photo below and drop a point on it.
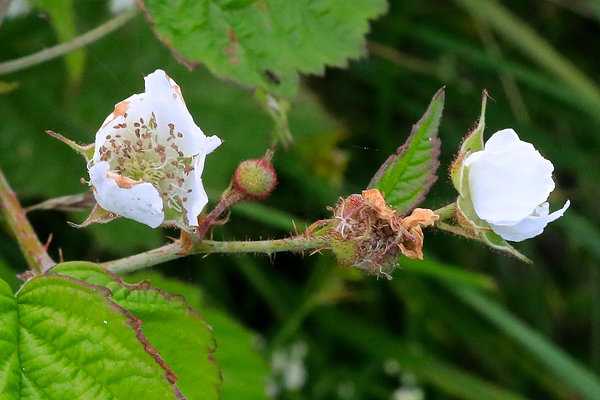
(264, 44)
(455, 348)
(63, 338)
(406, 177)
(63, 18)
(570, 371)
(242, 368)
(178, 332)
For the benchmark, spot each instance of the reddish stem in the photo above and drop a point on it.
(228, 200)
(33, 250)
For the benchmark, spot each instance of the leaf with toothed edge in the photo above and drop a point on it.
(179, 333)
(263, 44)
(61, 338)
(406, 177)
(244, 370)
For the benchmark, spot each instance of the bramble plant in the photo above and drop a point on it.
(79, 329)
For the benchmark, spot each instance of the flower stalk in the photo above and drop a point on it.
(33, 250)
(178, 249)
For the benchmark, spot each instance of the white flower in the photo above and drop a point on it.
(149, 156)
(509, 183)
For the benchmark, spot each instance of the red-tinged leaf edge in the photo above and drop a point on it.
(143, 285)
(135, 323)
(433, 164)
(190, 65)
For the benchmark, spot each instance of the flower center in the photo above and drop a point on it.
(136, 150)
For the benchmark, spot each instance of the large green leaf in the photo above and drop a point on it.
(264, 43)
(244, 371)
(61, 338)
(178, 332)
(406, 177)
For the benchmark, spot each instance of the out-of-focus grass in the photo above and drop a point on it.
(457, 346)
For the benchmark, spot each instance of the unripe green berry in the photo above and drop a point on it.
(255, 178)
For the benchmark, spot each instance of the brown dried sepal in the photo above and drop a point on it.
(377, 234)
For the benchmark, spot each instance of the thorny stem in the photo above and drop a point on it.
(177, 249)
(64, 48)
(228, 200)
(33, 250)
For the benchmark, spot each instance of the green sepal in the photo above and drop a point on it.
(98, 215)
(86, 150)
(479, 229)
(177, 331)
(471, 144)
(62, 338)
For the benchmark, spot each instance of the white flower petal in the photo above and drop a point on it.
(152, 137)
(531, 225)
(499, 140)
(211, 143)
(140, 202)
(169, 107)
(197, 198)
(508, 179)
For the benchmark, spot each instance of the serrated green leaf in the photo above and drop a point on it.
(179, 333)
(61, 338)
(263, 43)
(244, 371)
(406, 177)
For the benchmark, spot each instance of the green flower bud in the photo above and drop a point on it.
(256, 178)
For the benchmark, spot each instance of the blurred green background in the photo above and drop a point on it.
(466, 322)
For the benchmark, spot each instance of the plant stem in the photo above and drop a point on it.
(457, 230)
(446, 211)
(176, 250)
(64, 48)
(33, 250)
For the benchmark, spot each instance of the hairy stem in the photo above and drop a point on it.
(446, 212)
(64, 48)
(33, 250)
(226, 202)
(177, 249)
(457, 230)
